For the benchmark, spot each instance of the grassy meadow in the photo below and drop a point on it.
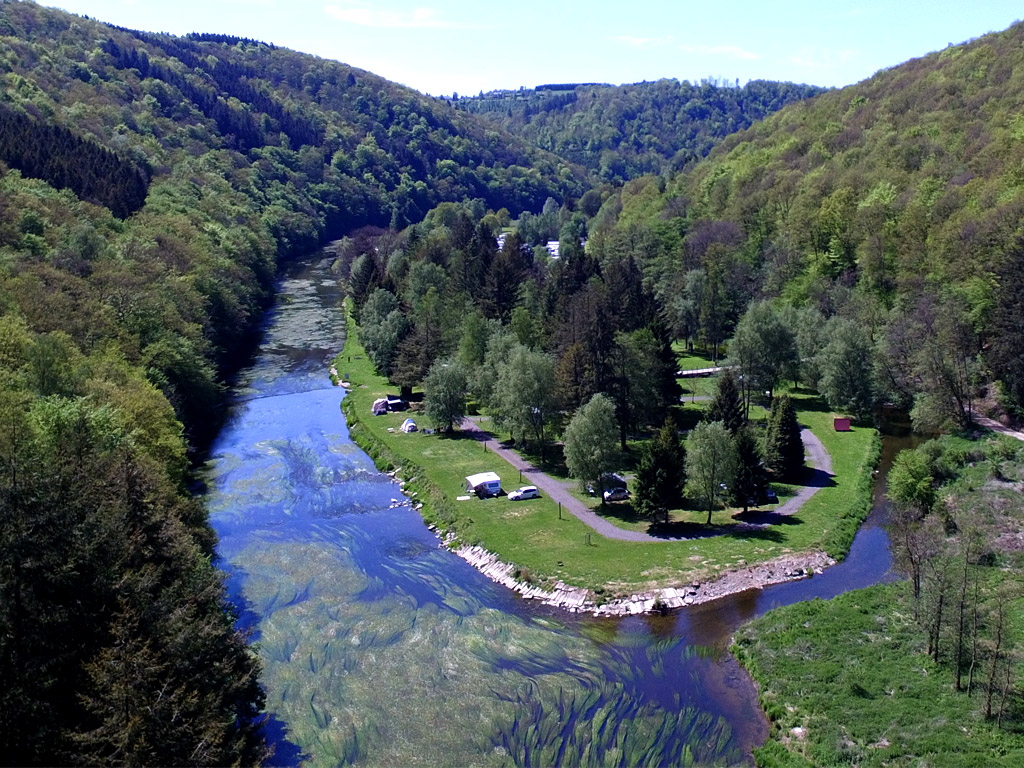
(848, 682)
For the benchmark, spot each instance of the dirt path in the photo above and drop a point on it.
(995, 426)
(819, 460)
(821, 464)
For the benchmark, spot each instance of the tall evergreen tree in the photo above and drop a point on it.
(727, 406)
(661, 475)
(783, 448)
(751, 479)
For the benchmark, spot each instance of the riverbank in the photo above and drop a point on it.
(576, 600)
(544, 548)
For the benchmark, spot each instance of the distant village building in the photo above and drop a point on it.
(552, 248)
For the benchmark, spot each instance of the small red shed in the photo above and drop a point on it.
(841, 425)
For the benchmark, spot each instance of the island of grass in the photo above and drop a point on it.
(547, 545)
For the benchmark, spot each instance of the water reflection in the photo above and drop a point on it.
(380, 647)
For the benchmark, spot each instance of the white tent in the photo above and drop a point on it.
(408, 426)
(380, 406)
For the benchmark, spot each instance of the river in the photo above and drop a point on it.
(381, 647)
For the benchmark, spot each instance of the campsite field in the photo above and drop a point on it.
(544, 547)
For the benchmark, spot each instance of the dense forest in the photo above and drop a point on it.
(149, 187)
(621, 132)
(892, 205)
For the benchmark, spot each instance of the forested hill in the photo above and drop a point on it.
(373, 149)
(148, 187)
(897, 203)
(625, 131)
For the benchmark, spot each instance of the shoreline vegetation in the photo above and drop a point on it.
(939, 653)
(565, 564)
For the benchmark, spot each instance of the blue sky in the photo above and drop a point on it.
(441, 46)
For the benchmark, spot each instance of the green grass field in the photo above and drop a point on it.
(531, 535)
(852, 676)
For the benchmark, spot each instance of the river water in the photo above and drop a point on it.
(381, 648)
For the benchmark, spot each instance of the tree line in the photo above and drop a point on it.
(116, 338)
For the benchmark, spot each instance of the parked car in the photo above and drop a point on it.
(767, 496)
(526, 492)
(616, 494)
(609, 480)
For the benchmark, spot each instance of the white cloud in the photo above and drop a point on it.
(415, 18)
(639, 42)
(732, 51)
(805, 61)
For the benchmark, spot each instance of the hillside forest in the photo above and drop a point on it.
(622, 132)
(864, 243)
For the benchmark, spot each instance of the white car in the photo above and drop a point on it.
(526, 492)
(616, 494)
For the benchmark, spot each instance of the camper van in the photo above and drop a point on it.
(484, 484)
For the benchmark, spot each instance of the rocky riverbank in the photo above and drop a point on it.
(577, 600)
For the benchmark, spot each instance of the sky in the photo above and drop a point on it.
(445, 46)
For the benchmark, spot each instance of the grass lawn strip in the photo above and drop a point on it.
(547, 549)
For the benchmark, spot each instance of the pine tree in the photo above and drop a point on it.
(661, 475)
(727, 406)
(751, 478)
(783, 448)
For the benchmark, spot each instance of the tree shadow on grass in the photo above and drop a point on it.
(465, 434)
(691, 530)
(817, 478)
(619, 511)
(766, 517)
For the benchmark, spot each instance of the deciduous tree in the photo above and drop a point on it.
(710, 464)
(847, 364)
(590, 441)
(524, 394)
(444, 394)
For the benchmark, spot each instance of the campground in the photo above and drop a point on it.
(547, 545)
